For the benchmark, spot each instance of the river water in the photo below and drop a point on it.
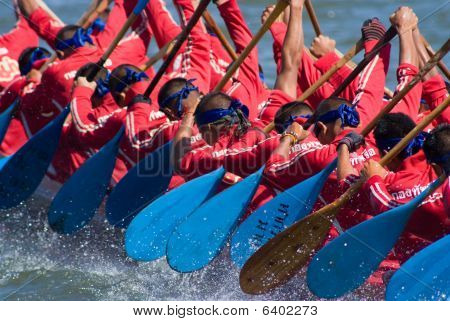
(37, 264)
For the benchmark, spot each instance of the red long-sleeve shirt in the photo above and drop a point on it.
(246, 84)
(435, 92)
(11, 46)
(430, 221)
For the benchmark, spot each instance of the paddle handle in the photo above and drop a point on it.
(159, 55)
(93, 14)
(313, 17)
(223, 40)
(181, 38)
(397, 98)
(131, 19)
(279, 8)
(326, 76)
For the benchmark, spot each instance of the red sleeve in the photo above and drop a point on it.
(45, 26)
(10, 93)
(278, 31)
(380, 198)
(146, 129)
(93, 126)
(19, 38)
(164, 27)
(435, 92)
(276, 100)
(197, 52)
(369, 96)
(248, 73)
(324, 63)
(410, 104)
(116, 19)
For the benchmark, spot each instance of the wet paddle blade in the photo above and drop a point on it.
(79, 198)
(3, 161)
(5, 119)
(141, 185)
(424, 277)
(200, 238)
(24, 171)
(276, 215)
(346, 262)
(285, 254)
(147, 235)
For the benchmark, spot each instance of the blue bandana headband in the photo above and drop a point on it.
(292, 119)
(214, 115)
(347, 114)
(183, 93)
(130, 78)
(98, 25)
(102, 86)
(79, 39)
(413, 147)
(36, 55)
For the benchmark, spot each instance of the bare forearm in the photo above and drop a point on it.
(344, 167)
(181, 143)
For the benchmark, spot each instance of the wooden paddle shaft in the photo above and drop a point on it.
(159, 55)
(181, 38)
(93, 13)
(397, 98)
(223, 40)
(440, 64)
(279, 8)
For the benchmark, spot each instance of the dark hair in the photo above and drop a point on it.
(437, 144)
(218, 100)
(326, 105)
(170, 88)
(294, 108)
(86, 70)
(395, 125)
(65, 34)
(118, 74)
(24, 58)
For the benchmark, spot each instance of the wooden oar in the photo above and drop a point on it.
(424, 277)
(93, 13)
(223, 40)
(316, 26)
(137, 187)
(285, 254)
(279, 8)
(440, 64)
(346, 262)
(159, 55)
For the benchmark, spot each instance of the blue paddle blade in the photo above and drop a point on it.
(346, 262)
(79, 198)
(5, 119)
(140, 186)
(24, 171)
(276, 215)
(147, 235)
(424, 277)
(3, 161)
(200, 238)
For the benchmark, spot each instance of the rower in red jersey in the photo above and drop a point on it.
(75, 48)
(234, 141)
(12, 44)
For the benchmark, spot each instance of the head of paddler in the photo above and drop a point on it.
(218, 114)
(71, 37)
(437, 149)
(390, 130)
(99, 84)
(31, 60)
(177, 96)
(126, 82)
(332, 117)
(295, 111)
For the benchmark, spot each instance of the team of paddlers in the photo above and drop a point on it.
(211, 129)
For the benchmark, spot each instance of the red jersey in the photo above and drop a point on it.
(246, 84)
(11, 46)
(435, 92)
(219, 61)
(276, 100)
